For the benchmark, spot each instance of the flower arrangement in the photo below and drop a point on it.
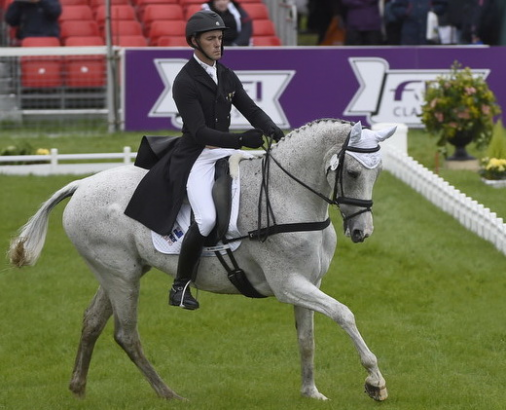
(493, 166)
(493, 169)
(459, 103)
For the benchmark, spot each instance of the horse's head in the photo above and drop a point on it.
(355, 170)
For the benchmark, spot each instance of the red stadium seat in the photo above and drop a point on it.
(77, 12)
(159, 12)
(257, 11)
(191, 9)
(266, 41)
(118, 12)
(74, 2)
(172, 41)
(40, 42)
(162, 28)
(140, 5)
(144, 3)
(87, 71)
(78, 29)
(95, 4)
(263, 28)
(124, 28)
(186, 3)
(130, 41)
(41, 71)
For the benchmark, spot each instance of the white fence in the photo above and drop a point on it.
(467, 211)
(52, 164)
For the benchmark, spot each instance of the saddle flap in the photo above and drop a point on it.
(222, 197)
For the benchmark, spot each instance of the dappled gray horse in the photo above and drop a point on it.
(324, 162)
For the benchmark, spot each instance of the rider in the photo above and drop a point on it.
(204, 92)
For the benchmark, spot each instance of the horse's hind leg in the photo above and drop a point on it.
(94, 320)
(124, 296)
(304, 322)
(300, 292)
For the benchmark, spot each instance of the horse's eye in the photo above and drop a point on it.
(353, 173)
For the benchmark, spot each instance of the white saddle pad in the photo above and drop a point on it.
(171, 244)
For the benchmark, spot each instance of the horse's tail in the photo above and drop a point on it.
(26, 248)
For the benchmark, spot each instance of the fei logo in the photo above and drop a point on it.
(392, 96)
(264, 87)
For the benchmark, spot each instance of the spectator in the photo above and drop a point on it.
(363, 22)
(392, 24)
(324, 18)
(488, 27)
(477, 21)
(461, 14)
(34, 18)
(413, 16)
(240, 26)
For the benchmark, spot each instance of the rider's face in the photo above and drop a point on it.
(210, 43)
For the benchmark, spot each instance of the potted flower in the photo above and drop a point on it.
(493, 166)
(459, 108)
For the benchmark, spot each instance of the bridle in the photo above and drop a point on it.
(366, 204)
(336, 199)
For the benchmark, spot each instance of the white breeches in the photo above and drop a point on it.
(200, 184)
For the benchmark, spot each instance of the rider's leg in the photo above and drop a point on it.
(191, 249)
(199, 190)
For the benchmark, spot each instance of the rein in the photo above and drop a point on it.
(262, 233)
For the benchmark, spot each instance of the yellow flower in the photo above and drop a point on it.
(42, 151)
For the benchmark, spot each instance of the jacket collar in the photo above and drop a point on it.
(200, 75)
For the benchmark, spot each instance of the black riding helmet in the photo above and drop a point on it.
(202, 21)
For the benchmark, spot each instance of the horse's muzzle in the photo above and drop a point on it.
(358, 235)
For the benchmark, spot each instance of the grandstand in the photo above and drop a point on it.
(31, 81)
(135, 18)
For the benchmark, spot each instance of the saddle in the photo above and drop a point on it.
(222, 197)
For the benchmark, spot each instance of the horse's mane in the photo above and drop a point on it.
(303, 130)
(311, 124)
(309, 127)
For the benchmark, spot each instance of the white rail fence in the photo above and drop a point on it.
(472, 215)
(468, 212)
(52, 164)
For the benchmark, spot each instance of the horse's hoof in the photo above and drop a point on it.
(378, 393)
(313, 394)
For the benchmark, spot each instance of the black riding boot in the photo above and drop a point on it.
(191, 249)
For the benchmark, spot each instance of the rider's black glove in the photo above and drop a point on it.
(276, 133)
(251, 138)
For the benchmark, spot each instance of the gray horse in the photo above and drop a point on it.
(324, 162)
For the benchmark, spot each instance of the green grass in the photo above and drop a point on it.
(428, 297)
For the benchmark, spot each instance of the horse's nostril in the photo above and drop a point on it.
(358, 236)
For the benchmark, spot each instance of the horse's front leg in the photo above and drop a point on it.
(304, 322)
(300, 292)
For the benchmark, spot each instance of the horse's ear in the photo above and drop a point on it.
(355, 133)
(383, 134)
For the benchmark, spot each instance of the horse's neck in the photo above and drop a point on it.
(302, 154)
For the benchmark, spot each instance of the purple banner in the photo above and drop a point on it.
(301, 84)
